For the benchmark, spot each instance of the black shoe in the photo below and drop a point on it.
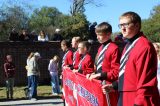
(7, 98)
(11, 98)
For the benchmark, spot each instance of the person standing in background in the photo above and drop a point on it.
(53, 70)
(33, 73)
(42, 37)
(24, 36)
(92, 34)
(13, 36)
(27, 90)
(9, 68)
(57, 36)
(33, 36)
(157, 47)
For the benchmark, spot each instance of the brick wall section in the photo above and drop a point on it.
(20, 52)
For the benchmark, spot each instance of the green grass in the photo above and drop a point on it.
(43, 91)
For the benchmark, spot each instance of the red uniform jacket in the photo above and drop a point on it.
(77, 59)
(87, 65)
(111, 61)
(68, 59)
(110, 68)
(140, 83)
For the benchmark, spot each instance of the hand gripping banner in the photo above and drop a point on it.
(79, 91)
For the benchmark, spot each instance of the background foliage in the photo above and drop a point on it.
(19, 15)
(151, 26)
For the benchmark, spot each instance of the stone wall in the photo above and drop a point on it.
(20, 52)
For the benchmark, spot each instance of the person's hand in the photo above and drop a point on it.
(66, 67)
(62, 73)
(74, 70)
(107, 88)
(26, 67)
(94, 76)
(60, 77)
(88, 75)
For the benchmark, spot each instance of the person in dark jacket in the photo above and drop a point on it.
(57, 36)
(9, 69)
(13, 36)
(24, 36)
(92, 34)
(33, 36)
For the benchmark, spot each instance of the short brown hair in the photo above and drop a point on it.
(85, 44)
(31, 55)
(66, 43)
(134, 17)
(104, 27)
(77, 38)
(55, 56)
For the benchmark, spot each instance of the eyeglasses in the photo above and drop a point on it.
(125, 25)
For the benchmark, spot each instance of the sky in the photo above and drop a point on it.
(109, 11)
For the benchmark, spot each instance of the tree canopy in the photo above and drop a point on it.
(45, 18)
(20, 15)
(49, 18)
(12, 17)
(151, 26)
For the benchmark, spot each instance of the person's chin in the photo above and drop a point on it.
(100, 41)
(125, 35)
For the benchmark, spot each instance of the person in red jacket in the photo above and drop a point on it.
(137, 82)
(9, 68)
(108, 59)
(67, 60)
(76, 55)
(86, 64)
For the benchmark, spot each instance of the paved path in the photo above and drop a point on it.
(40, 102)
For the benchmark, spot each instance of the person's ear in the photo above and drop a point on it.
(65, 46)
(137, 25)
(85, 49)
(109, 34)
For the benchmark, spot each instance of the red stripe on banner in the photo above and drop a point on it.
(80, 91)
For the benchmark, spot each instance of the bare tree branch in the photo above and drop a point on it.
(78, 6)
